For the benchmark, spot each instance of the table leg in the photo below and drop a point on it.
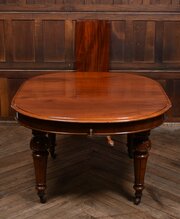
(142, 146)
(52, 139)
(130, 145)
(39, 145)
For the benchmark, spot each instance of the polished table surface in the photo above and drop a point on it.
(90, 103)
(91, 97)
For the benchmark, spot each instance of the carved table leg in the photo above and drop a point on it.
(130, 145)
(52, 140)
(142, 147)
(39, 145)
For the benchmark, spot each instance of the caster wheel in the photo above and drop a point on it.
(42, 198)
(137, 200)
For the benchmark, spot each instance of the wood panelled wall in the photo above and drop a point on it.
(91, 5)
(37, 36)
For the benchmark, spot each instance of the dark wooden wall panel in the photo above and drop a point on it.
(71, 2)
(8, 88)
(113, 2)
(23, 41)
(135, 40)
(139, 36)
(99, 2)
(149, 51)
(34, 43)
(59, 1)
(169, 2)
(4, 99)
(144, 41)
(2, 42)
(39, 1)
(117, 41)
(145, 44)
(90, 5)
(12, 85)
(54, 41)
(176, 98)
(171, 42)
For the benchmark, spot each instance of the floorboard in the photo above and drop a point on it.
(89, 178)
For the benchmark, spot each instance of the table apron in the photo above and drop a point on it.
(89, 128)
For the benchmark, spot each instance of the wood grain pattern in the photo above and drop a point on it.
(92, 45)
(115, 97)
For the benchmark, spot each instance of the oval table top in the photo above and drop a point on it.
(91, 97)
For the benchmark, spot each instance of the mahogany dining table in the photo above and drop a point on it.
(90, 103)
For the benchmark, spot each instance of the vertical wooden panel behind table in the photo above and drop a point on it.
(53, 40)
(2, 42)
(23, 40)
(171, 42)
(92, 40)
(92, 45)
(4, 99)
(144, 41)
(117, 38)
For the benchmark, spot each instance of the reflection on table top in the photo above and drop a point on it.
(91, 97)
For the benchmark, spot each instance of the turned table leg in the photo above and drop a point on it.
(142, 146)
(39, 145)
(130, 145)
(52, 141)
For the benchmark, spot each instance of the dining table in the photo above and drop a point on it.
(91, 104)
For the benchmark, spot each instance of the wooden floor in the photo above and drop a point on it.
(89, 178)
